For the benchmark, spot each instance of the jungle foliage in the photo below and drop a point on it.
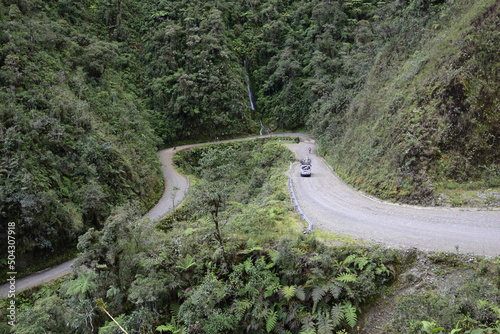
(401, 95)
(236, 261)
(75, 138)
(197, 277)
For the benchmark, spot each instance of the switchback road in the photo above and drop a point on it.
(334, 206)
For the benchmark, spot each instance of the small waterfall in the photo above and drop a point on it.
(250, 93)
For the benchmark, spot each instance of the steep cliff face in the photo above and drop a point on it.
(427, 115)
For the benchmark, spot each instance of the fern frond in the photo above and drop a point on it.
(251, 250)
(294, 312)
(325, 325)
(240, 307)
(350, 314)
(300, 293)
(174, 309)
(274, 255)
(186, 262)
(317, 294)
(335, 289)
(350, 259)
(347, 278)
(382, 270)
(308, 331)
(166, 328)
(361, 262)
(271, 321)
(288, 292)
(248, 265)
(336, 314)
(271, 289)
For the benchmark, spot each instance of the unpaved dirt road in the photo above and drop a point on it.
(333, 206)
(35, 279)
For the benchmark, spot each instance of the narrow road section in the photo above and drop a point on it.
(36, 279)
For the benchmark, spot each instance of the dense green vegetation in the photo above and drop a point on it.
(75, 138)
(425, 116)
(401, 94)
(233, 259)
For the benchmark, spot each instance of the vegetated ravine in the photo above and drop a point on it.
(402, 96)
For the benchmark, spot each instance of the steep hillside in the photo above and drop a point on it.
(75, 137)
(401, 94)
(427, 117)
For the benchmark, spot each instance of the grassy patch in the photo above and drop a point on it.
(471, 194)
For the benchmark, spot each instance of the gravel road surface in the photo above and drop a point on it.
(334, 206)
(38, 278)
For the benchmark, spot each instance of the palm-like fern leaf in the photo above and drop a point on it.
(337, 314)
(347, 278)
(317, 294)
(186, 262)
(300, 293)
(335, 289)
(350, 314)
(361, 262)
(325, 325)
(350, 259)
(271, 321)
(241, 306)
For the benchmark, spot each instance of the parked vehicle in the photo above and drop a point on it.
(305, 167)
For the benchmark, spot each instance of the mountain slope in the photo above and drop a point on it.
(76, 139)
(428, 111)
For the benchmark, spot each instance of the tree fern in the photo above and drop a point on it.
(350, 314)
(174, 327)
(186, 262)
(85, 283)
